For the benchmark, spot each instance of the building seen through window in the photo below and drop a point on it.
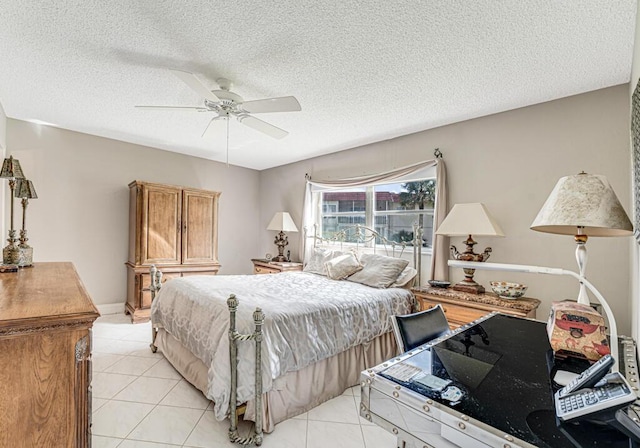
(390, 209)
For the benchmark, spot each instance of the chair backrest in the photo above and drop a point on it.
(413, 330)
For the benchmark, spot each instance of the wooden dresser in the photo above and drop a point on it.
(176, 229)
(45, 357)
(274, 267)
(463, 307)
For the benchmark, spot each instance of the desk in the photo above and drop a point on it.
(501, 364)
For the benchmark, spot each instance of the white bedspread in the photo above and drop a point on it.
(308, 317)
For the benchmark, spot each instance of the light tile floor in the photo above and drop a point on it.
(140, 401)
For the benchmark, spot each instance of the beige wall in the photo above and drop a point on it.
(81, 214)
(3, 130)
(3, 188)
(511, 162)
(635, 248)
(635, 68)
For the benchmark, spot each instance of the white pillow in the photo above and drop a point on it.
(378, 271)
(318, 258)
(405, 279)
(343, 266)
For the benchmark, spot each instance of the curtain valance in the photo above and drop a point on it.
(423, 170)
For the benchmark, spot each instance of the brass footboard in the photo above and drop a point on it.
(154, 287)
(234, 337)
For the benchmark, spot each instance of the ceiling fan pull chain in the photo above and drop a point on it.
(227, 141)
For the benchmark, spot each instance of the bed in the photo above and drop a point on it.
(321, 328)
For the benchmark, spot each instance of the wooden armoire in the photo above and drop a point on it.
(175, 228)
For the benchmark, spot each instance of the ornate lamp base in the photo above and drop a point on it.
(468, 284)
(280, 241)
(25, 256)
(10, 254)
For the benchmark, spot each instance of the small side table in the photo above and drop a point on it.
(261, 266)
(464, 307)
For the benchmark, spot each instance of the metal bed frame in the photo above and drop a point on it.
(357, 235)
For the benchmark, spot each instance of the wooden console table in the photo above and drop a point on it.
(46, 317)
(463, 307)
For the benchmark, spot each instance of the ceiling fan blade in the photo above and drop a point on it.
(192, 81)
(211, 130)
(188, 108)
(262, 126)
(281, 104)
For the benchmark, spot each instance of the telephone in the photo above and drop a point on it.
(599, 396)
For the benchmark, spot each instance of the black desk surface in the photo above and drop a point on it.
(502, 367)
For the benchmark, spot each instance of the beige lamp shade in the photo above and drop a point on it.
(469, 219)
(282, 222)
(586, 201)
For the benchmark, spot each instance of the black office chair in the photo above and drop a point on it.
(413, 330)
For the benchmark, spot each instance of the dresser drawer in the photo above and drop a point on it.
(456, 314)
(265, 270)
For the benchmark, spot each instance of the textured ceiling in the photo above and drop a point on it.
(363, 71)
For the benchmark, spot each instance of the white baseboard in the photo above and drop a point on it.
(111, 308)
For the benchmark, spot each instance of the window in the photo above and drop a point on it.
(390, 209)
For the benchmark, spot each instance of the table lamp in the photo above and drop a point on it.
(583, 205)
(469, 219)
(25, 190)
(11, 170)
(281, 222)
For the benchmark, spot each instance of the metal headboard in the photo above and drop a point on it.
(357, 236)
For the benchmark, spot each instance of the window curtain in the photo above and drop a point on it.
(423, 170)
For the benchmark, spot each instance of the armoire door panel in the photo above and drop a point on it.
(198, 230)
(161, 217)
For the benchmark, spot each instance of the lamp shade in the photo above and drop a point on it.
(469, 219)
(583, 200)
(25, 189)
(282, 221)
(11, 169)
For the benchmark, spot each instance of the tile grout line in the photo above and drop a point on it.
(308, 443)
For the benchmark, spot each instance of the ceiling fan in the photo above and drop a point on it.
(226, 103)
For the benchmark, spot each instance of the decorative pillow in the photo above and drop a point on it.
(343, 266)
(405, 279)
(317, 260)
(378, 271)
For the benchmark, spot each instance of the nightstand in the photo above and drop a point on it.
(463, 307)
(261, 266)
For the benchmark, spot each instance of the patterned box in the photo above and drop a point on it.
(577, 330)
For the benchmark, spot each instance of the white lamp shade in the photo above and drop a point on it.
(583, 200)
(282, 221)
(469, 219)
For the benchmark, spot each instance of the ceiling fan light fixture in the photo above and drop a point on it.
(224, 103)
